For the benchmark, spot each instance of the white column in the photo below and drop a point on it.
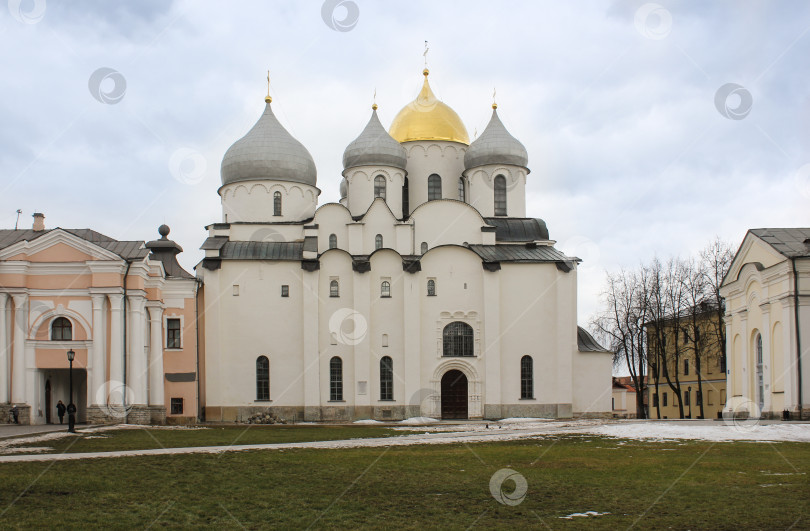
(311, 332)
(5, 374)
(491, 347)
(744, 365)
(156, 387)
(18, 349)
(116, 349)
(731, 363)
(138, 368)
(362, 351)
(789, 353)
(99, 364)
(767, 361)
(416, 391)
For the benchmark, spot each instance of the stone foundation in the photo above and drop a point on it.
(139, 414)
(527, 410)
(23, 413)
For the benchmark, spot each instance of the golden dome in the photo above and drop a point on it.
(427, 118)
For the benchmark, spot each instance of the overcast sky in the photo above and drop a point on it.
(633, 151)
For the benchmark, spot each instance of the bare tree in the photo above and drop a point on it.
(715, 261)
(696, 291)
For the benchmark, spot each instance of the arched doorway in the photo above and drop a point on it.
(48, 403)
(454, 395)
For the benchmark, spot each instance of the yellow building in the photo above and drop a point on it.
(695, 354)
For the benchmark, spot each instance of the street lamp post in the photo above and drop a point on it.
(71, 409)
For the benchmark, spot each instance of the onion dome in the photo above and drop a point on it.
(268, 153)
(375, 147)
(427, 118)
(496, 146)
(344, 189)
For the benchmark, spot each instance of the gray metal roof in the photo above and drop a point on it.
(519, 253)
(268, 152)
(374, 147)
(262, 251)
(586, 342)
(214, 243)
(496, 146)
(791, 242)
(518, 229)
(128, 250)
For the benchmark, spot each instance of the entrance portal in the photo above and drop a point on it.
(454, 395)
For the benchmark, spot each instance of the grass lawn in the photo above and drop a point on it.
(690, 485)
(144, 438)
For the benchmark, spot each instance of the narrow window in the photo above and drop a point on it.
(424, 248)
(434, 187)
(334, 289)
(526, 377)
(686, 367)
(655, 400)
(685, 337)
(277, 203)
(173, 333)
(385, 289)
(262, 378)
(462, 195)
(378, 241)
(285, 290)
(500, 195)
(711, 397)
(665, 399)
(431, 288)
(379, 186)
(457, 339)
(699, 398)
(385, 340)
(336, 379)
(405, 201)
(333, 241)
(722, 363)
(177, 406)
(61, 329)
(686, 398)
(386, 378)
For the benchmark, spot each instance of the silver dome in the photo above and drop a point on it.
(268, 153)
(496, 146)
(375, 147)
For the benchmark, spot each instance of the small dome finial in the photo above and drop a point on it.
(425, 72)
(374, 103)
(494, 103)
(164, 230)
(267, 98)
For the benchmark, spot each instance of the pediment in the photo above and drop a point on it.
(57, 246)
(752, 251)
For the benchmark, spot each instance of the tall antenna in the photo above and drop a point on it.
(16, 223)
(426, 52)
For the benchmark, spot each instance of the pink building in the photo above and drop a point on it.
(126, 308)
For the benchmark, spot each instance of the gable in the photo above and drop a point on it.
(752, 251)
(57, 246)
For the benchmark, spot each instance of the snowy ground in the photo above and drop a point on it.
(448, 433)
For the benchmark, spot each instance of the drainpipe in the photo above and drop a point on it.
(798, 333)
(124, 390)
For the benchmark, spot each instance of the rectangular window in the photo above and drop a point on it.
(699, 398)
(177, 406)
(722, 397)
(665, 399)
(686, 367)
(173, 333)
(711, 397)
(655, 400)
(285, 290)
(686, 398)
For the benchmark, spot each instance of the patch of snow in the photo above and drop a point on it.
(586, 514)
(367, 421)
(33, 449)
(418, 420)
(513, 420)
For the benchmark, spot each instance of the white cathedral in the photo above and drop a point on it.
(426, 291)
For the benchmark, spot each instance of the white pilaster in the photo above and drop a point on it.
(362, 350)
(311, 368)
(137, 376)
(116, 347)
(744, 365)
(5, 374)
(18, 349)
(789, 353)
(491, 345)
(156, 386)
(99, 358)
(415, 390)
(767, 362)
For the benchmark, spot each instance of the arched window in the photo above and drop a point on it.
(378, 241)
(462, 192)
(276, 203)
(500, 195)
(434, 187)
(458, 339)
(424, 247)
(262, 378)
(334, 289)
(405, 201)
(336, 379)
(61, 330)
(379, 186)
(332, 241)
(431, 288)
(385, 289)
(526, 377)
(386, 378)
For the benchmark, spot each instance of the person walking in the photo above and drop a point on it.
(15, 414)
(60, 410)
